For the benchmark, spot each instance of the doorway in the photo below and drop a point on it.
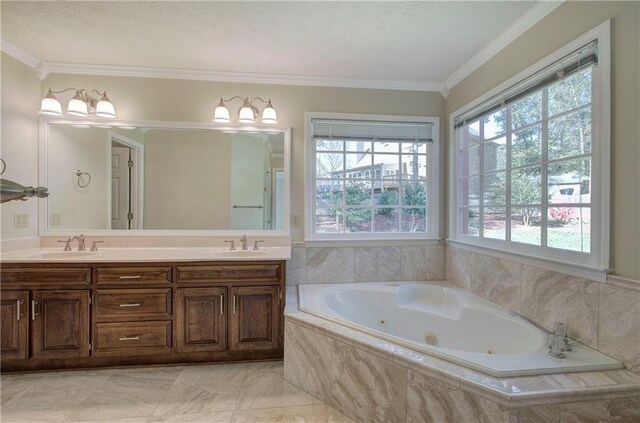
(127, 158)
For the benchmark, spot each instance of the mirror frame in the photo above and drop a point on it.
(43, 138)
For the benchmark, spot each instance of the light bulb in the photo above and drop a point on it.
(77, 106)
(269, 115)
(221, 114)
(105, 108)
(50, 105)
(246, 115)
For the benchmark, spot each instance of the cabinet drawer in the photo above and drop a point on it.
(129, 275)
(133, 303)
(50, 276)
(267, 272)
(133, 336)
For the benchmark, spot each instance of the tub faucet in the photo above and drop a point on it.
(560, 329)
(81, 246)
(243, 240)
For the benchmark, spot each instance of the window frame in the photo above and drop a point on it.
(433, 183)
(594, 264)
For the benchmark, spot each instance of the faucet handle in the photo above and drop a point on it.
(94, 245)
(67, 245)
(233, 245)
(255, 245)
(556, 346)
(560, 329)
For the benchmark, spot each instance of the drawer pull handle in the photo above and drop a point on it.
(234, 304)
(130, 338)
(130, 277)
(221, 304)
(130, 305)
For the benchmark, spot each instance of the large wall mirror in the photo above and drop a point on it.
(165, 178)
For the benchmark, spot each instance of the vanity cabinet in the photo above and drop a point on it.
(255, 317)
(14, 324)
(80, 315)
(60, 324)
(201, 316)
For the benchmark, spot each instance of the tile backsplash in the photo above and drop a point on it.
(365, 264)
(604, 316)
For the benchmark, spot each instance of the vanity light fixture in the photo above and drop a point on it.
(82, 104)
(247, 112)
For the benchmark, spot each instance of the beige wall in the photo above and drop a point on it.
(20, 92)
(194, 101)
(187, 179)
(566, 23)
(89, 150)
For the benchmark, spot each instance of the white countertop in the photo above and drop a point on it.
(56, 255)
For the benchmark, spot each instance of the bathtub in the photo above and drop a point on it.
(440, 319)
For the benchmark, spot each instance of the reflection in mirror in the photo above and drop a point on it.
(159, 178)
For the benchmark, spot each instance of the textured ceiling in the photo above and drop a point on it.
(409, 41)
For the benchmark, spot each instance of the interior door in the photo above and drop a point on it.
(120, 188)
(254, 319)
(14, 326)
(60, 324)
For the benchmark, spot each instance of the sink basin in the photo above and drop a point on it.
(250, 253)
(65, 254)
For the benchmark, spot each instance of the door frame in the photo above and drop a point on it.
(137, 178)
(274, 171)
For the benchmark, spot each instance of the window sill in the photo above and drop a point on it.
(573, 269)
(370, 242)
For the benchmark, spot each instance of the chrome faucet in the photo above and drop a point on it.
(81, 246)
(243, 240)
(558, 341)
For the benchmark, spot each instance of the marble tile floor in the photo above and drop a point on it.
(216, 393)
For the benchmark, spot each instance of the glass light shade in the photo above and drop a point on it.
(221, 114)
(105, 108)
(51, 106)
(269, 115)
(246, 115)
(77, 107)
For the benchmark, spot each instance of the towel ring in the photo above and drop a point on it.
(4, 166)
(81, 182)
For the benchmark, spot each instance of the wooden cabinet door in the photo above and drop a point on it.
(60, 324)
(14, 326)
(201, 319)
(254, 319)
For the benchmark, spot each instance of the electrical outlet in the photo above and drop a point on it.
(21, 220)
(296, 219)
(55, 219)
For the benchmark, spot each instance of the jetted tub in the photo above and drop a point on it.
(443, 320)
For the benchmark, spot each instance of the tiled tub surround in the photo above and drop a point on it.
(365, 264)
(372, 380)
(449, 322)
(604, 316)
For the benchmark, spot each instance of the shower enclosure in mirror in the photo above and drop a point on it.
(167, 177)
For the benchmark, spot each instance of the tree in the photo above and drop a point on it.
(568, 135)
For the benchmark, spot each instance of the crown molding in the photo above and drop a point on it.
(519, 27)
(24, 57)
(238, 77)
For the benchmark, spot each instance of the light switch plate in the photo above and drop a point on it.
(21, 220)
(55, 219)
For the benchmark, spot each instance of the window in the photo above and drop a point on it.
(392, 174)
(531, 170)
